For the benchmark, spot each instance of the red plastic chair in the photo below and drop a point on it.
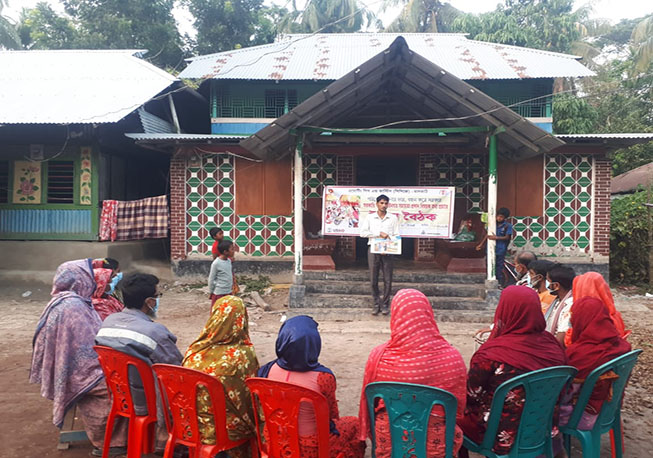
(180, 386)
(280, 404)
(115, 365)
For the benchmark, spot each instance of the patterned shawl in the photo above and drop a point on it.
(224, 350)
(103, 303)
(415, 353)
(63, 359)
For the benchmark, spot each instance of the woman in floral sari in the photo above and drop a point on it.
(224, 351)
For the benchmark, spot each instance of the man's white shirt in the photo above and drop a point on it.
(374, 225)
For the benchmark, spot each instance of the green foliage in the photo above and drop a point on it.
(423, 16)
(258, 284)
(326, 16)
(573, 115)
(541, 24)
(628, 239)
(9, 38)
(42, 28)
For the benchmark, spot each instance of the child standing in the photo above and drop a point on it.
(221, 281)
(217, 235)
(502, 237)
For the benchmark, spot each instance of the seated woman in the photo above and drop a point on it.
(103, 302)
(64, 362)
(594, 341)
(592, 284)
(415, 353)
(224, 351)
(518, 344)
(298, 349)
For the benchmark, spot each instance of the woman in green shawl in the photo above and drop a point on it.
(225, 351)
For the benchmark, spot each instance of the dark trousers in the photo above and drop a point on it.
(498, 268)
(377, 262)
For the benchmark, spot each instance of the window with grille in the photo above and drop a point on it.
(279, 102)
(61, 178)
(4, 182)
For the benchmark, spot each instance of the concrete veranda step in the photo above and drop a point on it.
(340, 314)
(404, 276)
(340, 301)
(362, 287)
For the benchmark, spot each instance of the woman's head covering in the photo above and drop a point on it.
(63, 359)
(415, 353)
(104, 304)
(74, 277)
(592, 284)
(518, 337)
(298, 347)
(224, 347)
(595, 339)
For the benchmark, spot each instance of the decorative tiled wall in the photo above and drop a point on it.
(319, 171)
(464, 171)
(565, 227)
(210, 202)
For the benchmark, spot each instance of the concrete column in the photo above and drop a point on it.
(298, 290)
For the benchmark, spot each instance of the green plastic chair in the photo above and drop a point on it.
(542, 389)
(409, 409)
(609, 419)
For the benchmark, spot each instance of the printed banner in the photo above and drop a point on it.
(422, 211)
(386, 246)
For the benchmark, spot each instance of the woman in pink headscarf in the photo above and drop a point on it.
(103, 303)
(416, 353)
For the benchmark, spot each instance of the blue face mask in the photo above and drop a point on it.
(114, 282)
(154, 311)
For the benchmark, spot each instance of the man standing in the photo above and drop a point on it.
(380, 224)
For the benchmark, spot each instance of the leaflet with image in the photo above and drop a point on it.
(386, 246)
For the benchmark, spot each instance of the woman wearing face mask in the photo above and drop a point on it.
(103, 302)
(537, 271)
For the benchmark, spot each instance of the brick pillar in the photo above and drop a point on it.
(345, 246)
(427, 177)
(178, 207)
(601, 220)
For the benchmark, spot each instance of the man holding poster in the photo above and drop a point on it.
(380, 224)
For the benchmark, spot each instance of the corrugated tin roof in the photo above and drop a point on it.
(182, 137)
(329, 56)
(153, 124)
(634, 135)
(426, 88)
(609, 142)
(631, 180)
(75, 86)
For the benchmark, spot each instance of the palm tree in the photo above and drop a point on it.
(327, 16)
(642, 42)
(423, 16)
(9, 38)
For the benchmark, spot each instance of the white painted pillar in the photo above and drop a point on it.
(492, 208)
(298, 186)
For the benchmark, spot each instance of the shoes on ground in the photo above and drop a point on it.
(113, 451)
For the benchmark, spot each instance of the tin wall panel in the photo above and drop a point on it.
(30, 221)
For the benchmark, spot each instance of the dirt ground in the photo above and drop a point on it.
(26, 428)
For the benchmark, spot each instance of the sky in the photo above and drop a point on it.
(614, 10)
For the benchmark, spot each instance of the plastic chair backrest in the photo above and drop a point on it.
(622, 366)
(115, 365)
(179, 387)
(409, 410)
(542, 391)
(280, 403)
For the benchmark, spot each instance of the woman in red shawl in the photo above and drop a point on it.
(415, 353)
(592, 284)
(103, 303)
(518, 344)
(594, 341)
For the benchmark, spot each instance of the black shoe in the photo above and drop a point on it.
(376, 311)
(113, 451)
(386, 312)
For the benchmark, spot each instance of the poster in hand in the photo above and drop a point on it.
(422, 211)
(386, 246)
